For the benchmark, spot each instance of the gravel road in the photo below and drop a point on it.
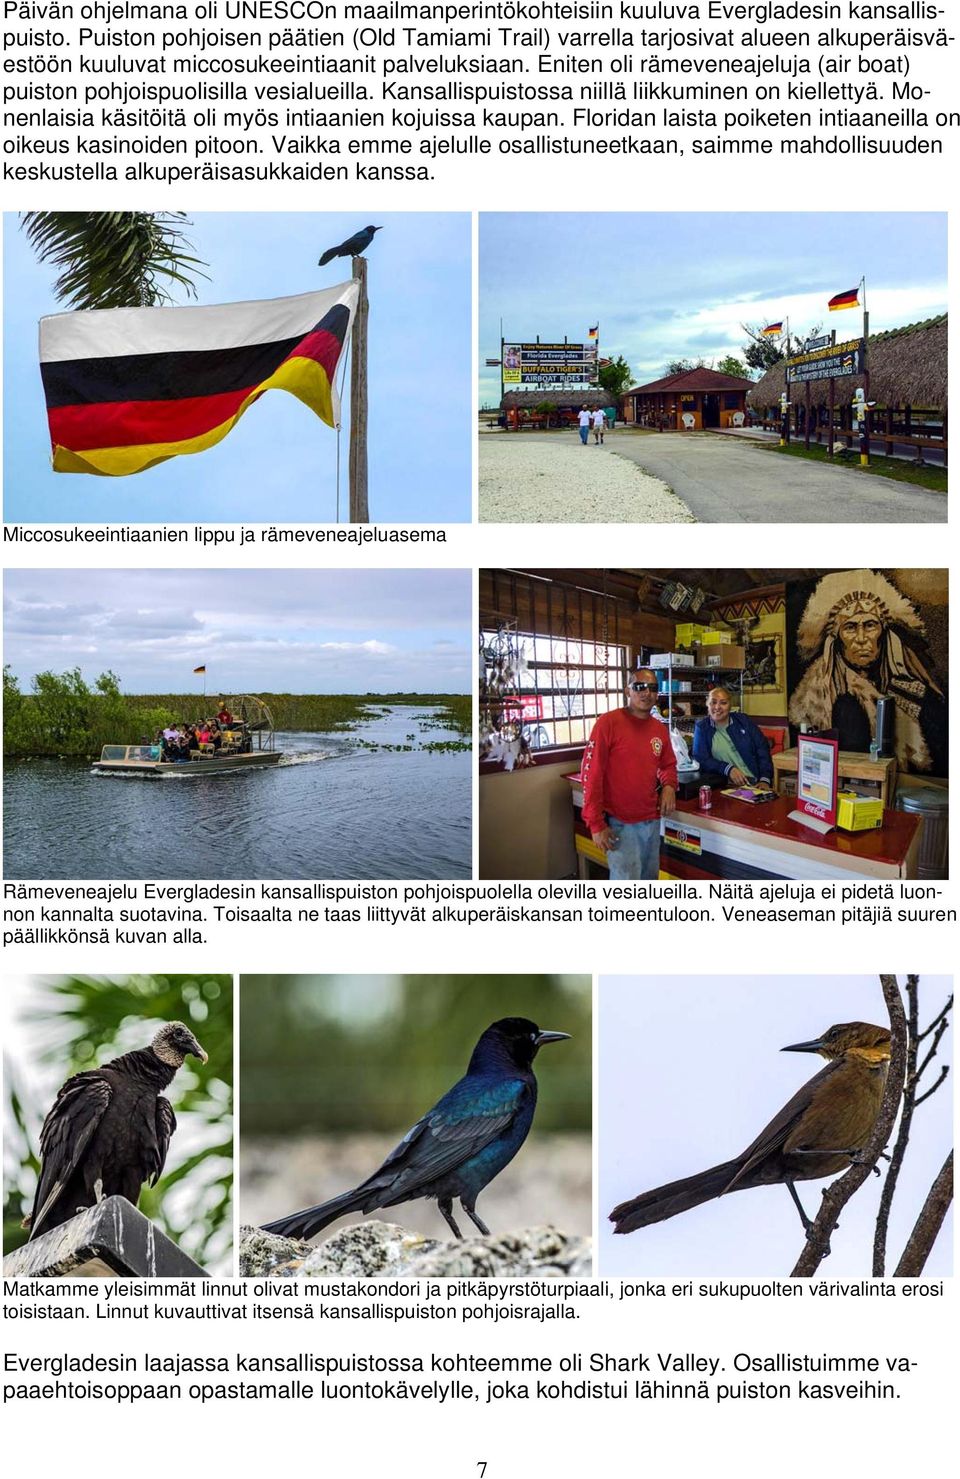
(557, 480)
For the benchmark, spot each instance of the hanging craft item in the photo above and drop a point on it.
(503, 667)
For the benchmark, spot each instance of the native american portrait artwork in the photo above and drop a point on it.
(853, 637)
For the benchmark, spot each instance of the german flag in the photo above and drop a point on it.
(850, 299)
(127, 388)
(772, 330)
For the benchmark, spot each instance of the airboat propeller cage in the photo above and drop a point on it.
(248, 743)
(252, 714)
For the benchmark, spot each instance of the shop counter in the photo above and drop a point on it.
(737, 839)
(741, 840)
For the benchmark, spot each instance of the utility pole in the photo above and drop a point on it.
(359, 510)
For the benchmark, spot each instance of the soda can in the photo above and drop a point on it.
(706, 798)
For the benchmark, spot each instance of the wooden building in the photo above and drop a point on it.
(693, 400)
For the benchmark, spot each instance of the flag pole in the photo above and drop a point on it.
(865, 438)
(359, 510)
(785, 415)
(500, 407)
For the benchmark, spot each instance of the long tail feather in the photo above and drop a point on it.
(312, 1219)
(676, 1196)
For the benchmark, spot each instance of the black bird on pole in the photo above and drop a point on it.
(820, 1132)
(459, 1145)
(109, 1130)
(354, 246)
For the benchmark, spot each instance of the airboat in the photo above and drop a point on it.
(246, 743)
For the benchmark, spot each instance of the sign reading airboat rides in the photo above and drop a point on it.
(832, 362)
(544, 365)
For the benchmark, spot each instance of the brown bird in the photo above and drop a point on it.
(820, 1132)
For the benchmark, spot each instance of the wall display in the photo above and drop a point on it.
(856, 635)
(763, 667)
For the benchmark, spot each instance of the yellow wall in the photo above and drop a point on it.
(768, 702)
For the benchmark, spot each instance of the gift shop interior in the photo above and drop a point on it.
(805, 713)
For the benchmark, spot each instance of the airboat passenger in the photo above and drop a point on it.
(224, 715)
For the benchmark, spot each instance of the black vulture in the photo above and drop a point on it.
(109, 1130)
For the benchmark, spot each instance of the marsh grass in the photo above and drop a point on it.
(64, 716)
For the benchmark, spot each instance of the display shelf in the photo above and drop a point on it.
(731, 678)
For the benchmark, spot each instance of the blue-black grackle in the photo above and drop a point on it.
(459, 1145)
(353, 246)
(819, 1132)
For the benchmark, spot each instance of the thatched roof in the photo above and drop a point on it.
(528, 400)
(908, 367)
(692, 380)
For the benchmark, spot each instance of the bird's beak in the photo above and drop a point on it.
(199, 1053)
(804, 1047)
(551, 1037)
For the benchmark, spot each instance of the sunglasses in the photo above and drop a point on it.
(643, 687)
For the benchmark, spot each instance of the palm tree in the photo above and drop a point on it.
(115, 259)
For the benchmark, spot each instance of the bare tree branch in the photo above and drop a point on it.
(911, 1100)
(914, 1256)
(943, 1012)
(903, 1133)
(934, 1086)
(839, 1192)
(932, 1050)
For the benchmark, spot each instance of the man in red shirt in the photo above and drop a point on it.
(629, 754)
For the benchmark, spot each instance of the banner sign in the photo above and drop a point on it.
(549, 364)
(817, 765)
(523, 708)
(834, 362)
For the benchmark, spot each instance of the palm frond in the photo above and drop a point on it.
(115, 259)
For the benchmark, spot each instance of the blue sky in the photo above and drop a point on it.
(667, 286)
(278, 463)
(294, 631)
(674, 1101)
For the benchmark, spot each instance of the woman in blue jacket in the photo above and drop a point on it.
(731, 745)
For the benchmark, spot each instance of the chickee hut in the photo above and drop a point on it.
(690, 401)
(528, 408)
(908, 392)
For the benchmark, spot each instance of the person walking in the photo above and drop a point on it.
(599, 426)
(629, 755)
(583, 420)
